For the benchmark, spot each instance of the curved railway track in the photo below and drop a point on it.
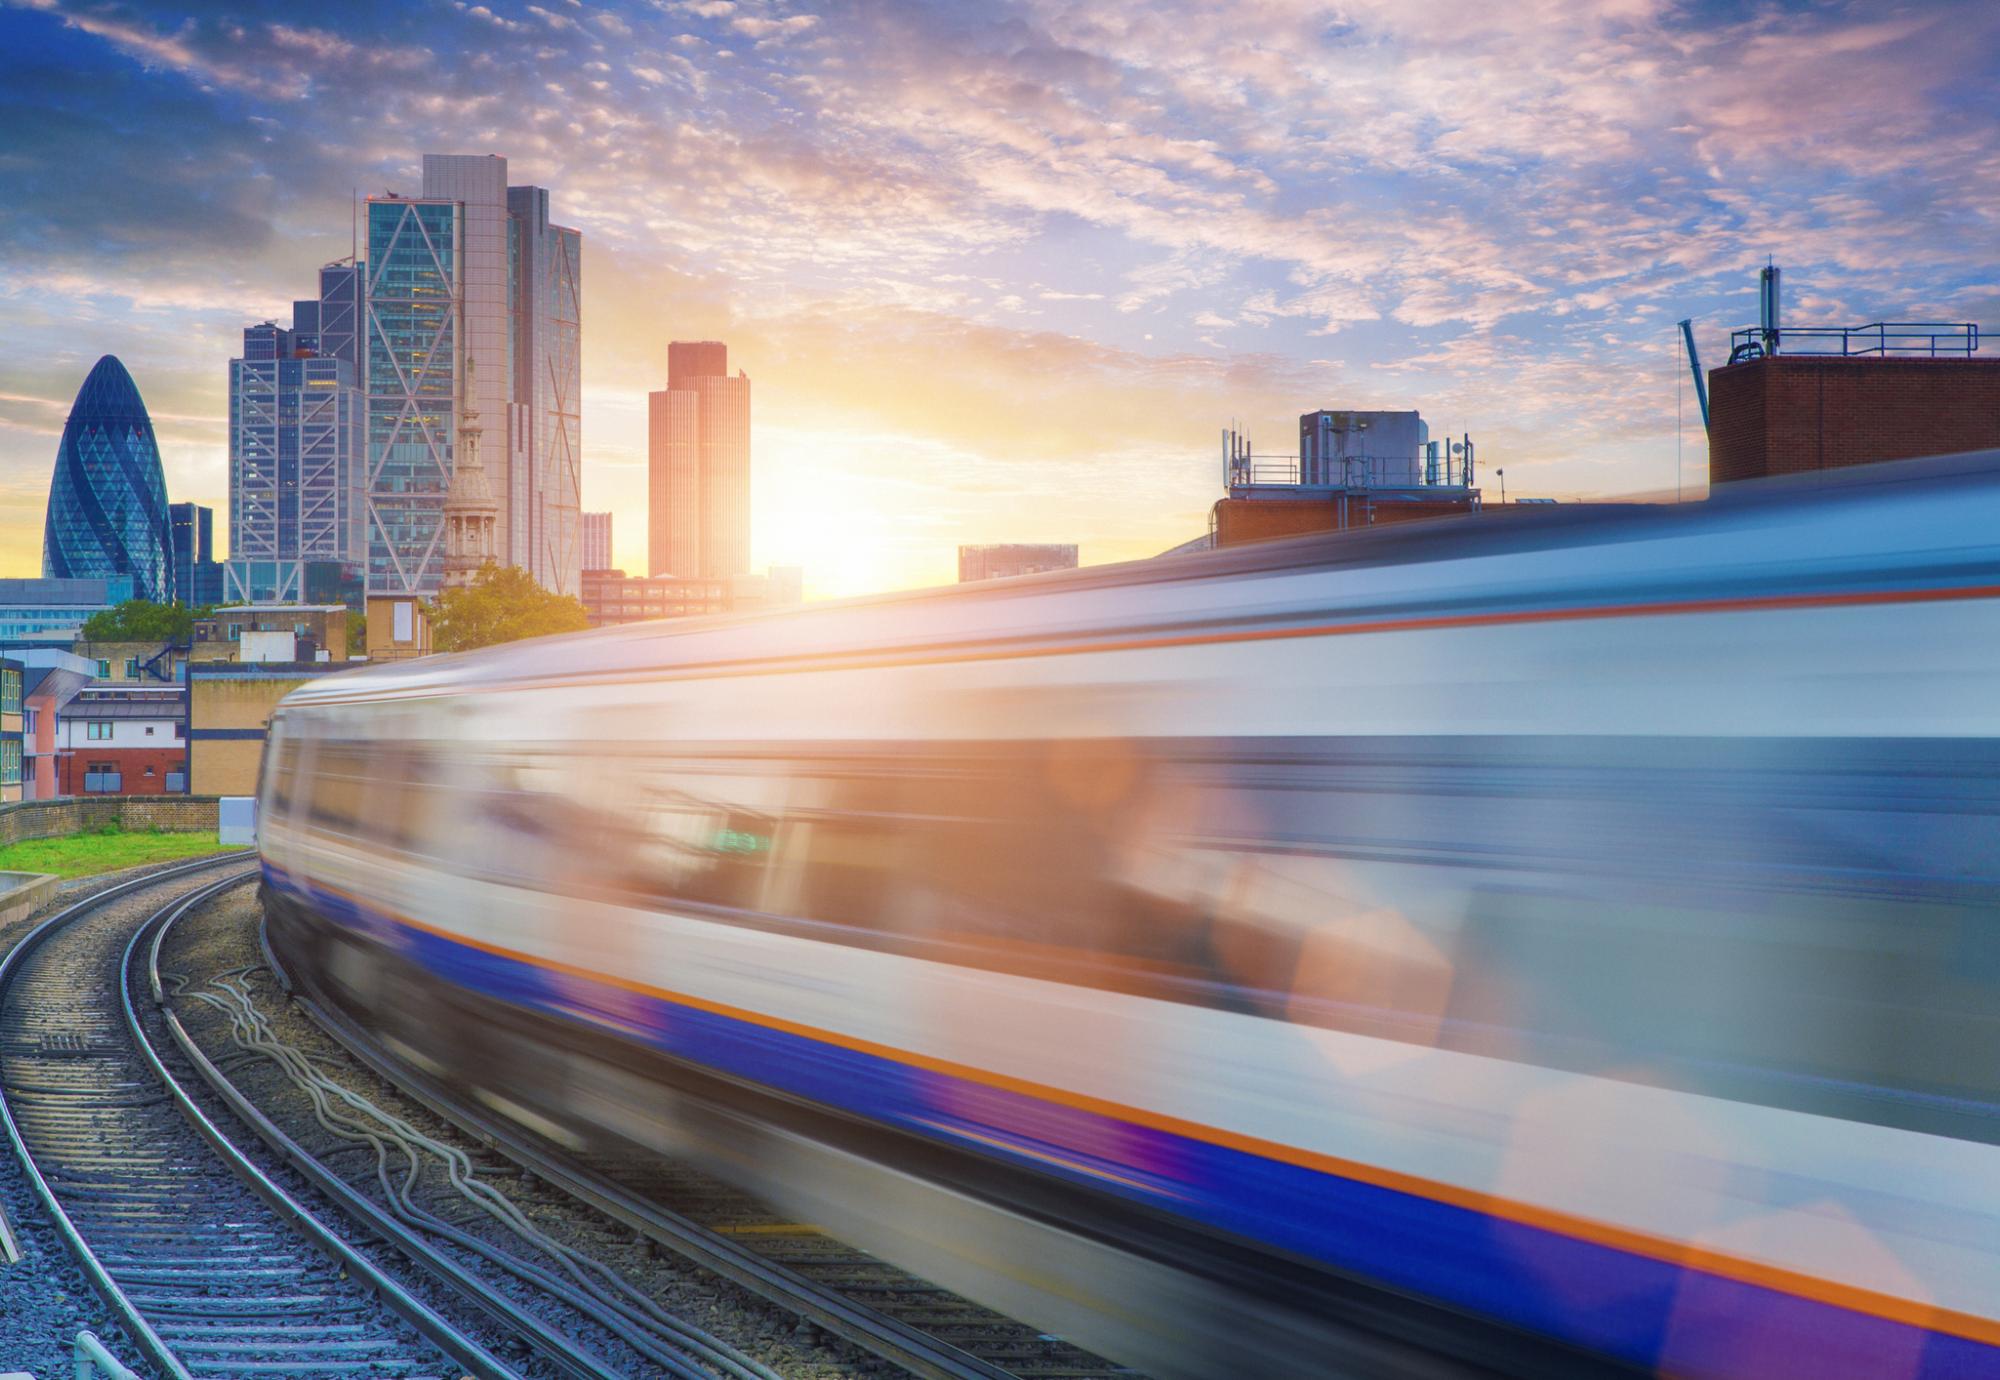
(127, 1131)
(213, 1268)
(575, 1316)
(920, 1328)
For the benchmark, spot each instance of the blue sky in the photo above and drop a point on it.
(1003, 271)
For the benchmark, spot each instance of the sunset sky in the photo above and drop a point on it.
(1003, 271)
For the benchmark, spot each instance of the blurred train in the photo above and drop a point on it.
(1542, 943)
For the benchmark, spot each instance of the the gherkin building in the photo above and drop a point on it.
(108, 500)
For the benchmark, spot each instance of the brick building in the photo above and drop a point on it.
(50, 681)
(1001, 560)
(229, 716)
(1238, 520)
(611, 597)
(155, 663)
(11, 734)
(1354, 469)
(123, 740)
(1790, 414)
(308, 629)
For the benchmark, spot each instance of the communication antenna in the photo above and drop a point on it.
(1767, 306)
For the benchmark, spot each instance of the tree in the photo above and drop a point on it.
(142, 620)
(503, 604)
(357, 633)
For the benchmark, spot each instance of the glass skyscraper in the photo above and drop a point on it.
(471, 269)
(197, 575)
(411, 364)
(108, 500)
(548, 377)
(297, 483)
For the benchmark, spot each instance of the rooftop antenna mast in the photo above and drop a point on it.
(1767, 306)
(1694, 363)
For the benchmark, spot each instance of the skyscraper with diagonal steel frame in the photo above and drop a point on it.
(471, 269)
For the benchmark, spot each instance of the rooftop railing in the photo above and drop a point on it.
(1350, 471)
(1934, 339)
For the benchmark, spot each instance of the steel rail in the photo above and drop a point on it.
(451, 1340)
(893, 1340)
(560, 1351)
(100, 1279)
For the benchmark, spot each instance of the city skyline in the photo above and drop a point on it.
(1006, 274)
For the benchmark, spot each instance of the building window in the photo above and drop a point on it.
(10, 691)
(97, 730)
(149, 730)
(131, 668)
(102, 778)
(104, 670)
(10, 762)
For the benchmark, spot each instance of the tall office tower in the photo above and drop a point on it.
(197, 576)
(597, 541)
(692, 359)
(297, 483)
(548, 387)
(699, 465)
(330, 324)
(409, 364)
(472, 270)
(673, 483)
(107, 498)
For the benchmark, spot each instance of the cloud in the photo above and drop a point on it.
(760, 27)
(909, 219)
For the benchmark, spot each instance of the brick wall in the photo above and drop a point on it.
(42, 819)
(1790, 414)
(1261, 519)
(141, 771)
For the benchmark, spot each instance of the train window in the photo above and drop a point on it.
(701, 833)
(418, 803)
(527, 821)
(1021, 857)
(285, 775)
(390, 769)
(848, 839)
(339, 796)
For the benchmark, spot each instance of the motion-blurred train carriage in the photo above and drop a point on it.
(1538, 943)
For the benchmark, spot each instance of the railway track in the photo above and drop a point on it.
(918, 1327)
(225, 1257)
(213, 1268)
(566, 1311)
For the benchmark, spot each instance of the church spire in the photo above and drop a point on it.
(471, 518)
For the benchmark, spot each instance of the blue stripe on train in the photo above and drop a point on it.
(1652, 1312)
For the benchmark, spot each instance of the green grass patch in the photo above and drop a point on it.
(104, 850)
